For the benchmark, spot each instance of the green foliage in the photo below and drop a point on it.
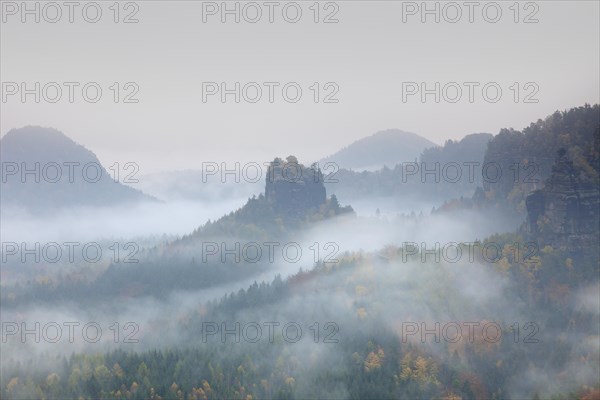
(526, 157)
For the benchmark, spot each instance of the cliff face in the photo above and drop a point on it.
(292, 188)
(566, 212)
(531, 153)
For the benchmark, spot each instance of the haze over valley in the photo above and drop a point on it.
(204, 200)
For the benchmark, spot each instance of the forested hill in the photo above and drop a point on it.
(526, 157)
(468, 148)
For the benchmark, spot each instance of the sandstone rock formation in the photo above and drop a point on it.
(292, 188)
(565, 213)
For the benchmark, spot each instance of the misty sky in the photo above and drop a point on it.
(369, 53)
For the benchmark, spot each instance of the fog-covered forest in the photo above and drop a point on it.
(300, 200)
(296, 295)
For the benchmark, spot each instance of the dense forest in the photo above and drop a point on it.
(445, 305)
(365, 357)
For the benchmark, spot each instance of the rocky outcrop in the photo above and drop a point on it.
(292, 188)
(566, 212)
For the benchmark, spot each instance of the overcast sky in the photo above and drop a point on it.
(369, 55)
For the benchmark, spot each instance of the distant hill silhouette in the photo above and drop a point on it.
(62, 173)
(395, 182)
(384, 148)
